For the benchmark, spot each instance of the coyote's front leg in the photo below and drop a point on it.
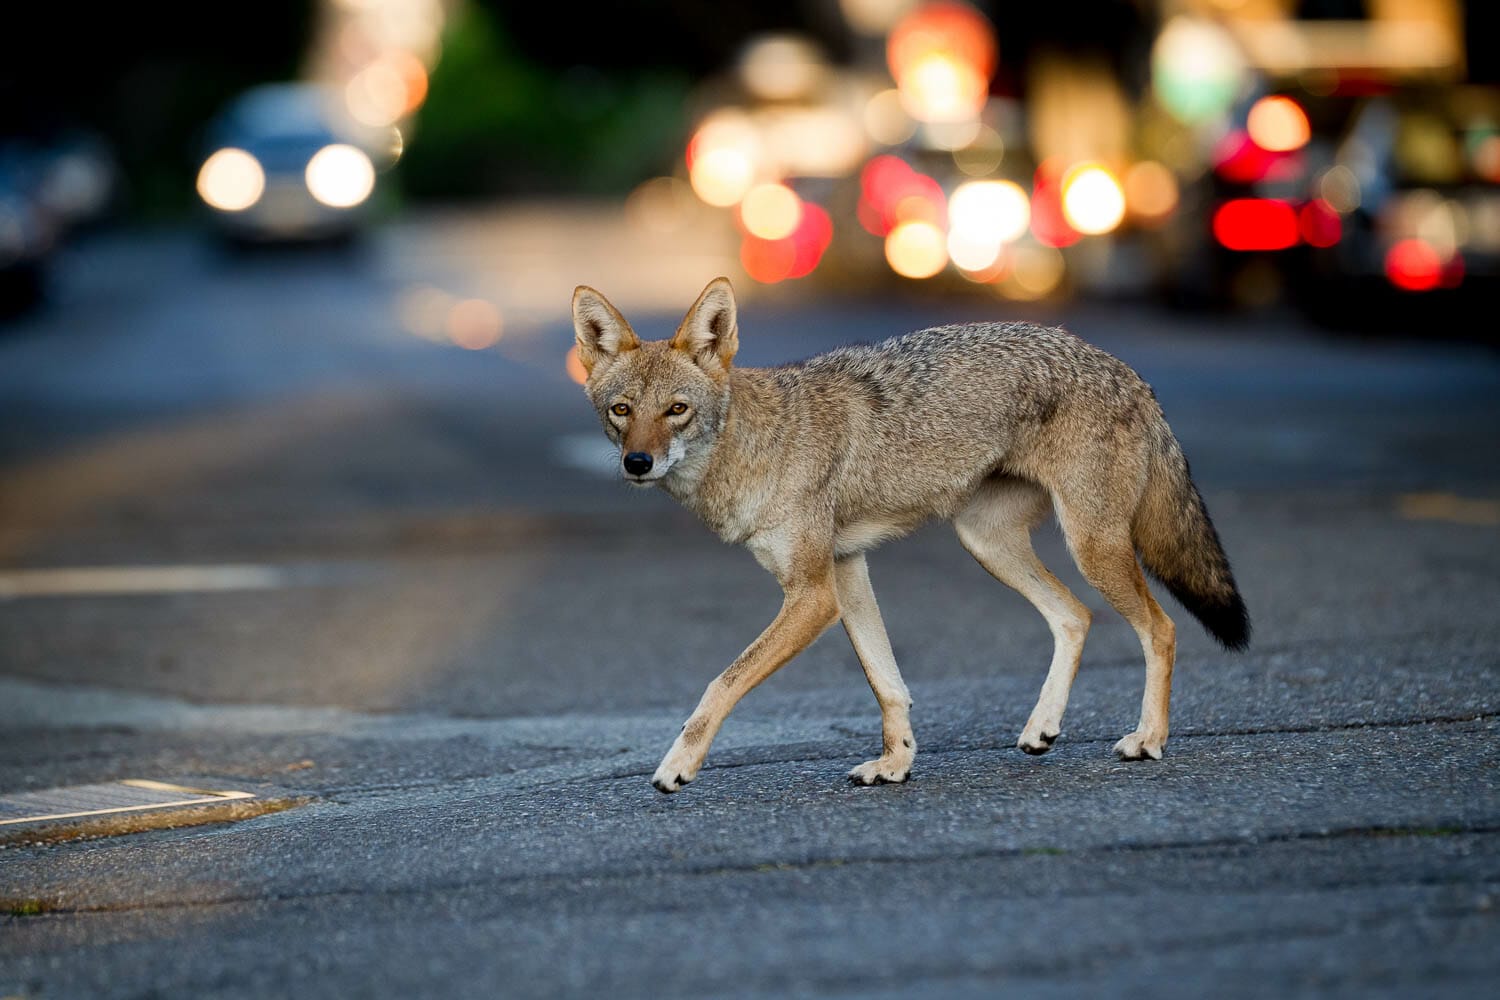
(867, 634)
(810, 606)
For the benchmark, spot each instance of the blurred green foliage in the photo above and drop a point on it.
(496, 123)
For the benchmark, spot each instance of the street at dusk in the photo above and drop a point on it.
(468, 645)
(354, 609)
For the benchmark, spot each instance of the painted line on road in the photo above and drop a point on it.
(107, 580)
(591, 453)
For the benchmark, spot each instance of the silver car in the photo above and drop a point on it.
(280, 167)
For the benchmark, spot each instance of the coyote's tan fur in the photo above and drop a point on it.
(989, 425)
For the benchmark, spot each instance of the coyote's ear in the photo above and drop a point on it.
(599, 328)
(709, 334)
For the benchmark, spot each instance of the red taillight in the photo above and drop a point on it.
(1453, 271)
(1319, 224)
(1238, 159)
(1414, 266)
(1256, 224)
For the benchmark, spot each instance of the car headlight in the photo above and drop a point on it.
(231, 180)
(340, 176)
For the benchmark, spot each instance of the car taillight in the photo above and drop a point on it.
(1415, 266)
(1319, 224)
(1256, 224)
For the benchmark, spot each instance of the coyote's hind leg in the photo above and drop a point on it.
(1106, 555)
(996, 529)
(867, 633)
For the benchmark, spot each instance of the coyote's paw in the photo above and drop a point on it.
(677, 769)
(1037, 739)
(886, 770)
(1139, 745)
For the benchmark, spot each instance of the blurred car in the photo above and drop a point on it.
(1415, 181)
(1384, 191)
(281, 167)
(51, 186)
(28, 232)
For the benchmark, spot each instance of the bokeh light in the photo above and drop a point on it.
(1150, 191)
(1278, 124)
(891, 192)
(423, 310)
(721, 177)
(660, 205)
(942, 56)
(916, 249)
(811, 239)
(885, 119)
(795, 255)
(771, 211)
(1048, 223)
(473, 324)
(1256, 224)
(723, 157)
(1240, 159)
(825, 141)
(950, 136)
(1442, 223)
(391, 86)
(1092, 200)
(939, 88)
(1340, 187)
(782, 68)
(972, 251)
(574, 366)
(1486, 158)
(1413, 266)
(231, 180)
(982, 156)
(767, 261)
(874, 17)
(340, 176)
(1319, 224)
(998, 209)
(1035, 272)
(1197, 70)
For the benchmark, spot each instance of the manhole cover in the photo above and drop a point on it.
(132, 795)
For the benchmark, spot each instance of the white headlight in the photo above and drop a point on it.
(231, 180)
(340, 176)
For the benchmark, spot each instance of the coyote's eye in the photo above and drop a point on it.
(677, 409)
(620, 410)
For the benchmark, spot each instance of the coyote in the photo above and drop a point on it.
(990, 425)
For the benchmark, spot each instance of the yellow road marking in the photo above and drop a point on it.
(1447, 507)
(104, 580)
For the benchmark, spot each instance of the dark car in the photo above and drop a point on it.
(1386, 195)
(26, 239)
(1415, 180)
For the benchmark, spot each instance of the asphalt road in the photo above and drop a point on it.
(468, 647)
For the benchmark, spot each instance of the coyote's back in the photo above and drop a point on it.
(916, 423)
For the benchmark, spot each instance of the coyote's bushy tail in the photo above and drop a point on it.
(1179, 546)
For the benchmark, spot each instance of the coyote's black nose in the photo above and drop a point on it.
(637, 463)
